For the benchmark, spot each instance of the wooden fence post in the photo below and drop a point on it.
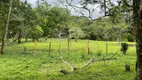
(49, 48)
(25, 49)
(106, 48)
(35, 47)
(88, 48)
(68, 47)
(70, 43)
(59, 47)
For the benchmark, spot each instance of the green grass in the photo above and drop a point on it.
(14, 65)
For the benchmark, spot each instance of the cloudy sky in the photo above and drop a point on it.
(94, 15)
(52, 2)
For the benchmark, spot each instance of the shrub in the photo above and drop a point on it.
(130, 38)
(99, 52)
(124, 48)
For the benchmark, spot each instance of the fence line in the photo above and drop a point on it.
(68, 49)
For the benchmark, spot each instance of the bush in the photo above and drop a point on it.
(124, 48)
(130, 38)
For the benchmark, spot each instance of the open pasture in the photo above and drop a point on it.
(17, 64)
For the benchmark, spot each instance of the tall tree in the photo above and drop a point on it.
(5, 31)
(22, 20)
(137, 19)
(51, 19)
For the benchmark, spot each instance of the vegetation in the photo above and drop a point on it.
(18, 65)
(124, 48)
(101, 36)
(57, 22)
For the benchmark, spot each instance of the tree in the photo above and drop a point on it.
(75, 31)
(4, 4)
(36, 32)
(58, 17)
(51, 19)
(16, 22)
(22, 19)
(137, 23)
(42, 14)
(5, 31)
(23, 14)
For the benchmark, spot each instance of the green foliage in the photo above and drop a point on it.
(15, 65)
(58, 18)
(103, 29)
(75, 31)
(46, 37)
(99, 52)
(42, 11)
(117, 15)
(130, 38)
(51, 19)
(22, 19)
(56, 21)
(36, 32)
(4, 6)
(3, 10)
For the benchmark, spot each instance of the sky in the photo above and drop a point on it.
(95, 14)
(32, 2)
(52, 2)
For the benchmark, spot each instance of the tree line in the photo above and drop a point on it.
(49, 21)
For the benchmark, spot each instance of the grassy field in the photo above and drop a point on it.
(17, 65)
